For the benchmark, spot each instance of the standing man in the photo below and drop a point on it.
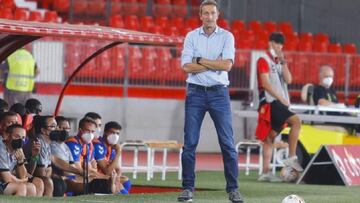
(19, 72)
(207, 57)
(273, 77)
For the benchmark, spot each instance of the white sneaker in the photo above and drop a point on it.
(269, 177)
(293, 163)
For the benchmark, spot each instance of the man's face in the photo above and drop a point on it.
(276, 46)
(88, 128)
(18, 133)
(64, 126)
(209, 15)
(50, 126)
(8, 121)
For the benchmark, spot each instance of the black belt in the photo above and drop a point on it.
(206, 88)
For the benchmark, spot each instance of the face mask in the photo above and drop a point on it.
(63, 135)
(328, 81)
(97, 133)
(273, 53)
(17, 144)
(113, 139)
(87, 137)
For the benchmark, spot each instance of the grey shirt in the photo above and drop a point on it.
(7, 161)
(45, 153)
(61, 151)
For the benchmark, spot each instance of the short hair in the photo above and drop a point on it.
(11, 128)
(40, 122)
(60, 119)
(277, 37)
(18, 108)
(32, 104)
(93, 115)
(209, 2)
(6, 114)
(4, 106)
(112, 125)
(324, 68)
(86, 120)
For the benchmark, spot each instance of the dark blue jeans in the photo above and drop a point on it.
(217, 103)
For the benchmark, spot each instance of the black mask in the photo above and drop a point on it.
(57, 135)
(17, 144)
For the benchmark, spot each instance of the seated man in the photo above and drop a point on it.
(324, 94)
(107, 155)
(82, 150)
(13, 175)
(40, 165)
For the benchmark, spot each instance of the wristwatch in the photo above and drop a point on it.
(198, 60)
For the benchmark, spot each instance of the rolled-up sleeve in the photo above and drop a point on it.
(188, 50)
(229, 47)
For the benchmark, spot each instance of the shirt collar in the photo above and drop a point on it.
(276, 60)
(203, 32)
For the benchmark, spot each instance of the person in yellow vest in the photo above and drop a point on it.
(19, 71)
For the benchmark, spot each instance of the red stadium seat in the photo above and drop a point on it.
(118, 62)
(260, 45)
(162, 8)
(163, 63)
(262, 35)
(162, 21)
(306, 37)
(171, 31)
(238, 25)
(192, 22)
(146, 23)
(291, 41)
(6, 13)
(131, 22)
(349, 48)
(135, 63)
(51, 16)
(269, 26)
(285, 27)
(322, 38)
(156, 29)
(21, 14)
(335, 48)
(35, 16)
(62, 6)
(116, 7)
(96, 7)
(80, 6)
(255, 26)
(305, 46)
(320, 47)
(130, 7)
(116, 21)
(184, 31)
(223, 23)
(8, 4)
(148, 63)
(248, 35)
(177, 74)
(355, 72)
(179, 8)
(177, 21)
(142, 4)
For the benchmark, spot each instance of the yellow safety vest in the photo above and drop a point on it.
(21, 73)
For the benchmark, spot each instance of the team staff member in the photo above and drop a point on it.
(107, 155)
(273, 77)
(13, 174)
(19, 72)
(207, 57)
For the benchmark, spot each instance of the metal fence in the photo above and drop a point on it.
(157, 66)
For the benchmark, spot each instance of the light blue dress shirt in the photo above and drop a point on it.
(219, 44)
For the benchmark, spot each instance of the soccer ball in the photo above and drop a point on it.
(293, 199)
(289, 174)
